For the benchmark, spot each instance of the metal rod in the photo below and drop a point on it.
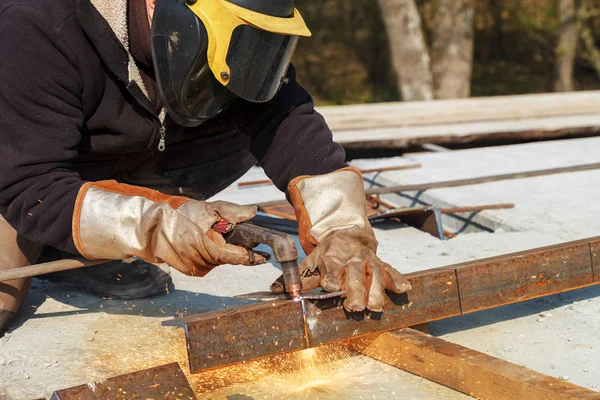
(363, 171)
(456, 210)
(482, 179)
(47, 268)
(462, 182)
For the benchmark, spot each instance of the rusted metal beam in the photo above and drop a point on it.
(463, 369)
(165, 382)
(526, 275)
(258, 330)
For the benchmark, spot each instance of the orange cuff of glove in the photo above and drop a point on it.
(338, 197)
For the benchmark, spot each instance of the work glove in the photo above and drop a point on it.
(339, 242)
(116, 221)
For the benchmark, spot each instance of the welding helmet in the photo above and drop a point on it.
(207, 53)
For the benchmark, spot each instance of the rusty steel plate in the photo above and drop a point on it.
(165, 382)
(434, 295)
(526, 275)
(595, 251)
(219, 338)
(243, 333)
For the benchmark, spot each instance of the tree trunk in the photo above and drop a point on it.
(452, 49)
(410, 56)
(567, 46)
(592, 53)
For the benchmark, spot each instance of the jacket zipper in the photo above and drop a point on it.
(161, 142)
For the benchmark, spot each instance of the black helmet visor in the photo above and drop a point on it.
(258, 61)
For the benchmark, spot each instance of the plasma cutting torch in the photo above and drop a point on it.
(245, 234)
(283, 246)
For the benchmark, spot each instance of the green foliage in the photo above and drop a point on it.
(347, 60)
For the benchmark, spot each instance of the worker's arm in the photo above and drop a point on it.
(288, 137)
(41, 118)
(294, 145)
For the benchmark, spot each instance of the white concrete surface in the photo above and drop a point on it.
(66, 337)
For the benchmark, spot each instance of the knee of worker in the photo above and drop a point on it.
(15, 250)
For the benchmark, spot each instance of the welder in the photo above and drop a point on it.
(119, 118)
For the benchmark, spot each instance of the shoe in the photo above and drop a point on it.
(127, 279)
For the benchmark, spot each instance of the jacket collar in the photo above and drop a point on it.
(105, 24)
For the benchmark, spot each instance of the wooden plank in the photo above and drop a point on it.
(526, 275)
(415, 136)
(468, 371)
(442, 112)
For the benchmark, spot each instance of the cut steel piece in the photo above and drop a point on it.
(219, 338)
(251, 331)
(165, 382)
(426, 219)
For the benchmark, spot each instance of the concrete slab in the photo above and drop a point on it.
(66, 337)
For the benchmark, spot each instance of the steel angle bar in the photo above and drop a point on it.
(468, 371)
(243, 333)
(426, 219)
(220, 338)
(165, 382)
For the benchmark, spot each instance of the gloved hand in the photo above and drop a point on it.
(339, 241)
(116, 221)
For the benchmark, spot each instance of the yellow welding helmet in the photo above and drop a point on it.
(207, 53)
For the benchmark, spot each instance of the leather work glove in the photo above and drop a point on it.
(116, 221)
(336, 235)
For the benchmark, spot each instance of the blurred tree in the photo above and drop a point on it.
(447, 73)
(566, 47)
(349, 58)
(408, 48)
(592, 53)
(452, 48)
